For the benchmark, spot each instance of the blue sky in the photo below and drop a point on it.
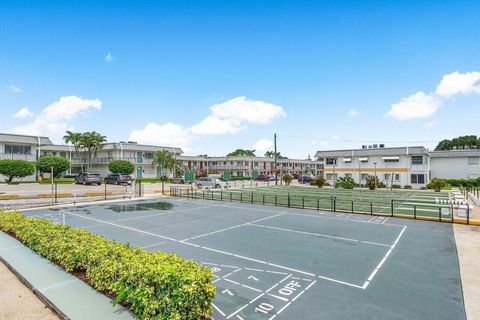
(214, 76)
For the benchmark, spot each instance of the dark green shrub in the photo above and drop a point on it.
(59, 164)
(121, 166)
(16, 169)
(381, 184)
(153, 285)
(396, 186)
(319, 181)
(345, 183)
(287, 179)
(436, 184)
(371, 182)
(423, 188)
(407, 187)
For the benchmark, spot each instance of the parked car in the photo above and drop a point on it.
(118, 178)
(209, 182)
(88, 178)
(305, 178)
(178, 180)
(262, 177)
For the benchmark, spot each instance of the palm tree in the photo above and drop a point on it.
(242, 153)
(75, 138)
(91, 142)
(271, 154)
(164, 159)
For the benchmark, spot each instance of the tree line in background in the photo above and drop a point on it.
(462, 141)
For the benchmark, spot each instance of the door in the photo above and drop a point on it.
(139, 157)
(159, 172)
(139, 172)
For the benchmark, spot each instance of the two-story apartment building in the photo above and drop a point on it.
(455, 164)
(401, 165)
(247, 166)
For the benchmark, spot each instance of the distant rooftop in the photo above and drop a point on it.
(418, 150)
(25, 139)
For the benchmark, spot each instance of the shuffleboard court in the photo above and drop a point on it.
(288, 263)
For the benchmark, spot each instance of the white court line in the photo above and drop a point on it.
(222, 252)
(218, 309)
(232, 227)
(385, 220)
(380, 264)
(154, 244)
(369, 221)
(319, 235)
(251, 301)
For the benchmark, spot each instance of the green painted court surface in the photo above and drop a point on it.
(409, 203)
(287, 263)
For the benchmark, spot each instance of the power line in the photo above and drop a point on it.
(356, 140)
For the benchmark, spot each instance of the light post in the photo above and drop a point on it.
(334, 161)
(375, 164)
(206, 158)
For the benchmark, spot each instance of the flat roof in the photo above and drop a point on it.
(25, 139)
(455, 153)
(392, 151)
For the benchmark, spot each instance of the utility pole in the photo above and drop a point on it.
(276, 156)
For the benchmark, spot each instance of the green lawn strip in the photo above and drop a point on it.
(153, 285)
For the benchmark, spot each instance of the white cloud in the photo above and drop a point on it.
(215, 126)
(263, 145)
(55, 119)
(459, 83)
(242, 109)
(421, 105)
(108, 57)
(168, 134)
(228, 117)
(418, 105)
(429, 125)
(23, 113)
(336, 138)
(14, 89)
(353, 113)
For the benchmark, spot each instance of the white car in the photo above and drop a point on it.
(209, 182)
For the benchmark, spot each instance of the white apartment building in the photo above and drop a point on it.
(393, 166)
(455, 164)
(251, 166)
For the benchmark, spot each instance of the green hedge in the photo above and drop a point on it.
(463, 182)
(153, 285)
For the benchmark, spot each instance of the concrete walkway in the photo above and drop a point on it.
(467, 239)
(18, 302)
(64, 292)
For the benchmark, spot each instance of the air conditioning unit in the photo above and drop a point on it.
(375, 146)
(364, 146)
(382, 145)
(370, 147)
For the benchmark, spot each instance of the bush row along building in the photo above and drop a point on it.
(414, 166)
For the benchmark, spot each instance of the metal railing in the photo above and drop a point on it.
(418, 209)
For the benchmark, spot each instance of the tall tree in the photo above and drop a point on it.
(462, 141)
(91, 142)
(242, 153)
(74, 138)
(164, 159)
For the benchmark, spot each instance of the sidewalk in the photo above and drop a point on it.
(18, 302)
(467, 239)
(62, 291)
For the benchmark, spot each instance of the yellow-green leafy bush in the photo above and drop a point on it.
(153, 285)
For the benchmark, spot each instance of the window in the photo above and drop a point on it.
(331, 160)
(364, 176)
(386, 176)
(148, 155)
(255, 163)
(330, 176)
(417, 159)
(397, 177)
(363, 160)
(347, 160)
(391, 160)
(473, 160)
(18, 149)
(348, 175)
(239, 163)
(418, 178)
